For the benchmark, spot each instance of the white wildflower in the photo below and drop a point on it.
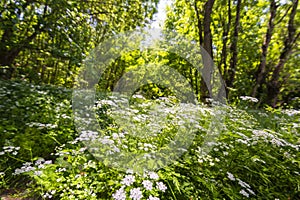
(287, 155)
(243, 192)
(136, 194)
(247, 98)
(18, 171)
(61, 170)
(106, 141)
(161, 186)
(230, 176)
(291, 112)
(121, 135)
(48, 162)
(243, 184)
(38, 173)
(277, 142)
(39, 161)
(147, 184)
(249, 190)
(77, 176)
(47, 196)
(59, 180)
(116, 149)
(41, 166)
(115, 136)
(153, 198)
(8, 149)
(52, 191)
(242, 141)
(82, 149)
(148, 145)
(128, 180)
(153, 175)
(119, 194)
(87, 135)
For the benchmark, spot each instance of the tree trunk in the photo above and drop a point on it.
(233, 47)
(261, 72)
(225, 40)
(206, 41)
(199, 24)
(7, 56)
(203, 88)
(274, 85)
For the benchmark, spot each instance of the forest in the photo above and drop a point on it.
(149, 99)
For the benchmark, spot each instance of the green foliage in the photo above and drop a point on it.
(255, 156)
(34, 119)
(46, 41)
(237, 151)
(182, 18)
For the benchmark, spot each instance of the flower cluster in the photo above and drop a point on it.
(155, 123)
(136, 187)
(206, 158)
(291, 112)
(246, 188)
(247, 98)
(87, 136)
(10, 149)
(48, 195)
(35, 167)
(267, 137)
(41, 125)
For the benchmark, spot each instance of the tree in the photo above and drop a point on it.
(274, 85)
(250, 51)
(198, 15)
(261, 72)
(206, 85)
(225, 37)
(233, 48)
(52, 36)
